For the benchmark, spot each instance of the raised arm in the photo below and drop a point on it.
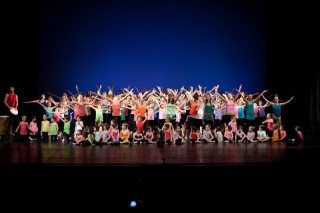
(257, 98)
(218, 94)
(269, 102)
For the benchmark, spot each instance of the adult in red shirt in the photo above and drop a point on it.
(11, 102)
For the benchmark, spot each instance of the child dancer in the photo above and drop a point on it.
(105, 135)
(207, 135)
(228, 135)
(124, 133)
(23, 127)
(66, 127)
(251, 135)
(299, 137)
(33, 127)
(97, 136)
(53, 130)
(178, 136)
(137, 136)
(78, 137)
(218, 134)
(168, 134)
(240, 135)
(262, 135)
(283, 134)
(148, 137)
(115, 135)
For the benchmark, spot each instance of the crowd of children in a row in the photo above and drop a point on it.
(193, 115)
(104, 133)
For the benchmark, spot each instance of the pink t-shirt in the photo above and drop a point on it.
(251, 135)
(162, 113)
(116, 108)
(33, 127)
(230, 108)
(228, 134)
(167, 134)
(56, 116)
(23, 128)
(150, 114)
(233, 126)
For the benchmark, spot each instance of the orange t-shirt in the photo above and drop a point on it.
(142, 111)
(194, 109)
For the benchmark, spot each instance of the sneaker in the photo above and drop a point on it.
(30, 138)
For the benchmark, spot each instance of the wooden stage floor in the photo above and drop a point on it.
(14, 152)
(201, 177)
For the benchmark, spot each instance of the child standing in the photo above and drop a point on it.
(66, 127)
(53, 130)
(78, 125)
(45, 126)
(233, 124)
(33, 127)
(140, 123)
(23, 127)
(269, 123)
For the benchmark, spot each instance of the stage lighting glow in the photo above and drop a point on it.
(133, 204)
(163, 43)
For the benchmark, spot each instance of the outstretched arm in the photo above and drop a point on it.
(257, 98)
(284, 103)
(28, 102)
(269, 102)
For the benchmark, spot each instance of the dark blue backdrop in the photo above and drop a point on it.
(148, 43)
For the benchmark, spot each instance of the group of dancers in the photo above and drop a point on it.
(162, 116)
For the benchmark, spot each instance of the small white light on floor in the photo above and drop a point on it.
(133, 204)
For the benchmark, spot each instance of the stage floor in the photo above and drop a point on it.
(201, 177)
(12, 151)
